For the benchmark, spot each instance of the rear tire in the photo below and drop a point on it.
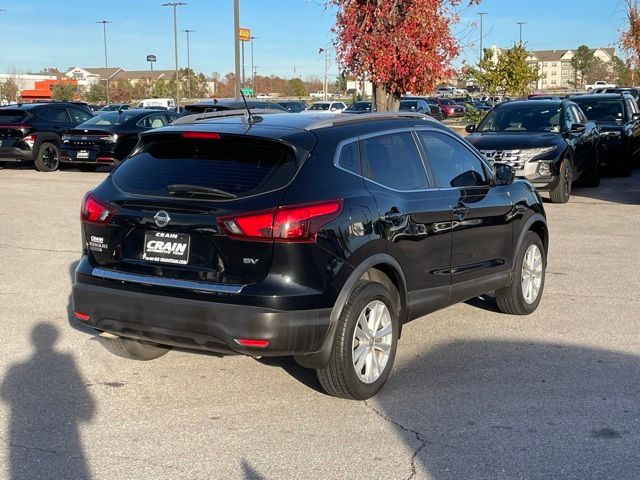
(367, 330)
(134, 349)
(562, 191)
(523, 296)
(48, 158)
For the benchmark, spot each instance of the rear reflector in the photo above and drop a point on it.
(105, 159)
(201, 135)
(81, 316)
(93, 210)
(249, 342)
(293, 223)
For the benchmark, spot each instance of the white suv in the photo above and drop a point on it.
(328, 107)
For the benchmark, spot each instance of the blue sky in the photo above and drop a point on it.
(39, 33)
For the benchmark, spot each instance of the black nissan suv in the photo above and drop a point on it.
(32, 132)
(312, 235)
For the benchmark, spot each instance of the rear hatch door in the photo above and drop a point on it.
(12, 129)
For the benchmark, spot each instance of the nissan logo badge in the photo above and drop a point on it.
(162, 218)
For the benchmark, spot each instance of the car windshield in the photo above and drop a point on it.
(410, 105)
(606, 111)
(522, 118)
(320, 106)
(360, 106)
(110, 118)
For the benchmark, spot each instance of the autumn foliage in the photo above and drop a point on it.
(400, 45)
(630, 38)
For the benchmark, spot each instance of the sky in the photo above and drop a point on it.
(41, 33)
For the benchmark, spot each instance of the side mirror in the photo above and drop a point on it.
(470, 128)
(578, 128)
(504, 174)
(635, 116)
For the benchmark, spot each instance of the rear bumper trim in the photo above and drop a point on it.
(167, 282)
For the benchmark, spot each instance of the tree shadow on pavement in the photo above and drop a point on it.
(509, 409)
(48, 400)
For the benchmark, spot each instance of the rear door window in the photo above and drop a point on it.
(239, 166)
(11, 116)
(55, 115)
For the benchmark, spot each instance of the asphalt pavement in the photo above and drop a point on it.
(474, 394)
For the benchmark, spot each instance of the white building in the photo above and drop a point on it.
(356, 86)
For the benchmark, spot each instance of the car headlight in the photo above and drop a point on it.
(544, 169)
(531, 153)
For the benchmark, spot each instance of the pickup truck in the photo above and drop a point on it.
(599, 84)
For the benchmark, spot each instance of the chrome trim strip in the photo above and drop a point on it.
(166, 282)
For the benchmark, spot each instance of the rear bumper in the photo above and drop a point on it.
(102, 156)
(14, 154)
(197, 324)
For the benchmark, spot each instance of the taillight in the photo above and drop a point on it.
(95, 211)
(251, 342)
(30, 140)
(113, 138)
(293, 223)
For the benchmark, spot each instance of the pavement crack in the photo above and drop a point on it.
(18, 247)
(423, 441)
(601, 297)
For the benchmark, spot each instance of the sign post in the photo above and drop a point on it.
(244, 35)
(151, 59)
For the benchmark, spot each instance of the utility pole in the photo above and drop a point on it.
(520, 24)
(325, 82)
(175, 5)
(106, 63)
(236, 44)
(253, 70)
(482, 14)
(187, 31)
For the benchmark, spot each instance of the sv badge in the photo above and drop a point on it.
(250, 261)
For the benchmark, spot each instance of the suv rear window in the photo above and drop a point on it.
(237, 165)
(12, 116)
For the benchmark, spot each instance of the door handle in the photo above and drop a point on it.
(460, 212)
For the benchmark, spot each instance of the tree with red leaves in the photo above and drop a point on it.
(400, 45)
(630, 38)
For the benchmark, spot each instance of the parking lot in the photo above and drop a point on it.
(474, 393)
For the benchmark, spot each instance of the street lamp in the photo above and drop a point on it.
(520, 24)
(236, 45)
(253, 70)
(482, 14)
(106, 63)
(187, 31)
(175, 44)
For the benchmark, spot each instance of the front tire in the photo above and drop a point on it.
(48, 158)
(523, 296)
(562, 191)
(364, 345)
(133, 349)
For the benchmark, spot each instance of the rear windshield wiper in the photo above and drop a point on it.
(198, 190)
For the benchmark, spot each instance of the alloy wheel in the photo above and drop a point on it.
(372, 340)
(531, 278)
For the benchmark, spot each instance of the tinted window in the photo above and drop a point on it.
(393, 160)
(453, 164)
(408, 105)
(569, 118)
(79, 115)
(110, 118)
(320, 106)
(530, 117)
(240, 166)
(350, 158)
(12, 116)
(59, 115)
(606, 110)
(156, 120)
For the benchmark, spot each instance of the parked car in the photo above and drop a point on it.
(483, 107)
(549, 142)
(206, 106)
(599, 84)
(541, 96)
(312, 236)
(109, 137)
(358, 107)
(293, 106)
(449, 107)
(633, 91)
(31, 132)
(115, 107)
(95, 108)
(327, 107)
(434, 109)
(165, 103)
(618, 117)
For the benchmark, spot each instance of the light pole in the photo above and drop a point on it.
(482, 14)
(520, 24)
(106, 63)
(253, 70)
(175, 44)
(187, 31)
(1, 10)
(236, 44)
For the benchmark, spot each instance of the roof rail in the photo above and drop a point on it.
(222, 113)
(346, 119)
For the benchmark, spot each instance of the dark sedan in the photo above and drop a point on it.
(293, 106)
(618, 117)
(434, 110)
(206, 106)
(358, 107)
(108, 138)
(551, 143)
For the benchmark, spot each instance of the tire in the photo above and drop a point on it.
(591, 177)
(341, 377)
(513, 299)
(87, 167)
(48, 158)
(562, 191)
(134, 349)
